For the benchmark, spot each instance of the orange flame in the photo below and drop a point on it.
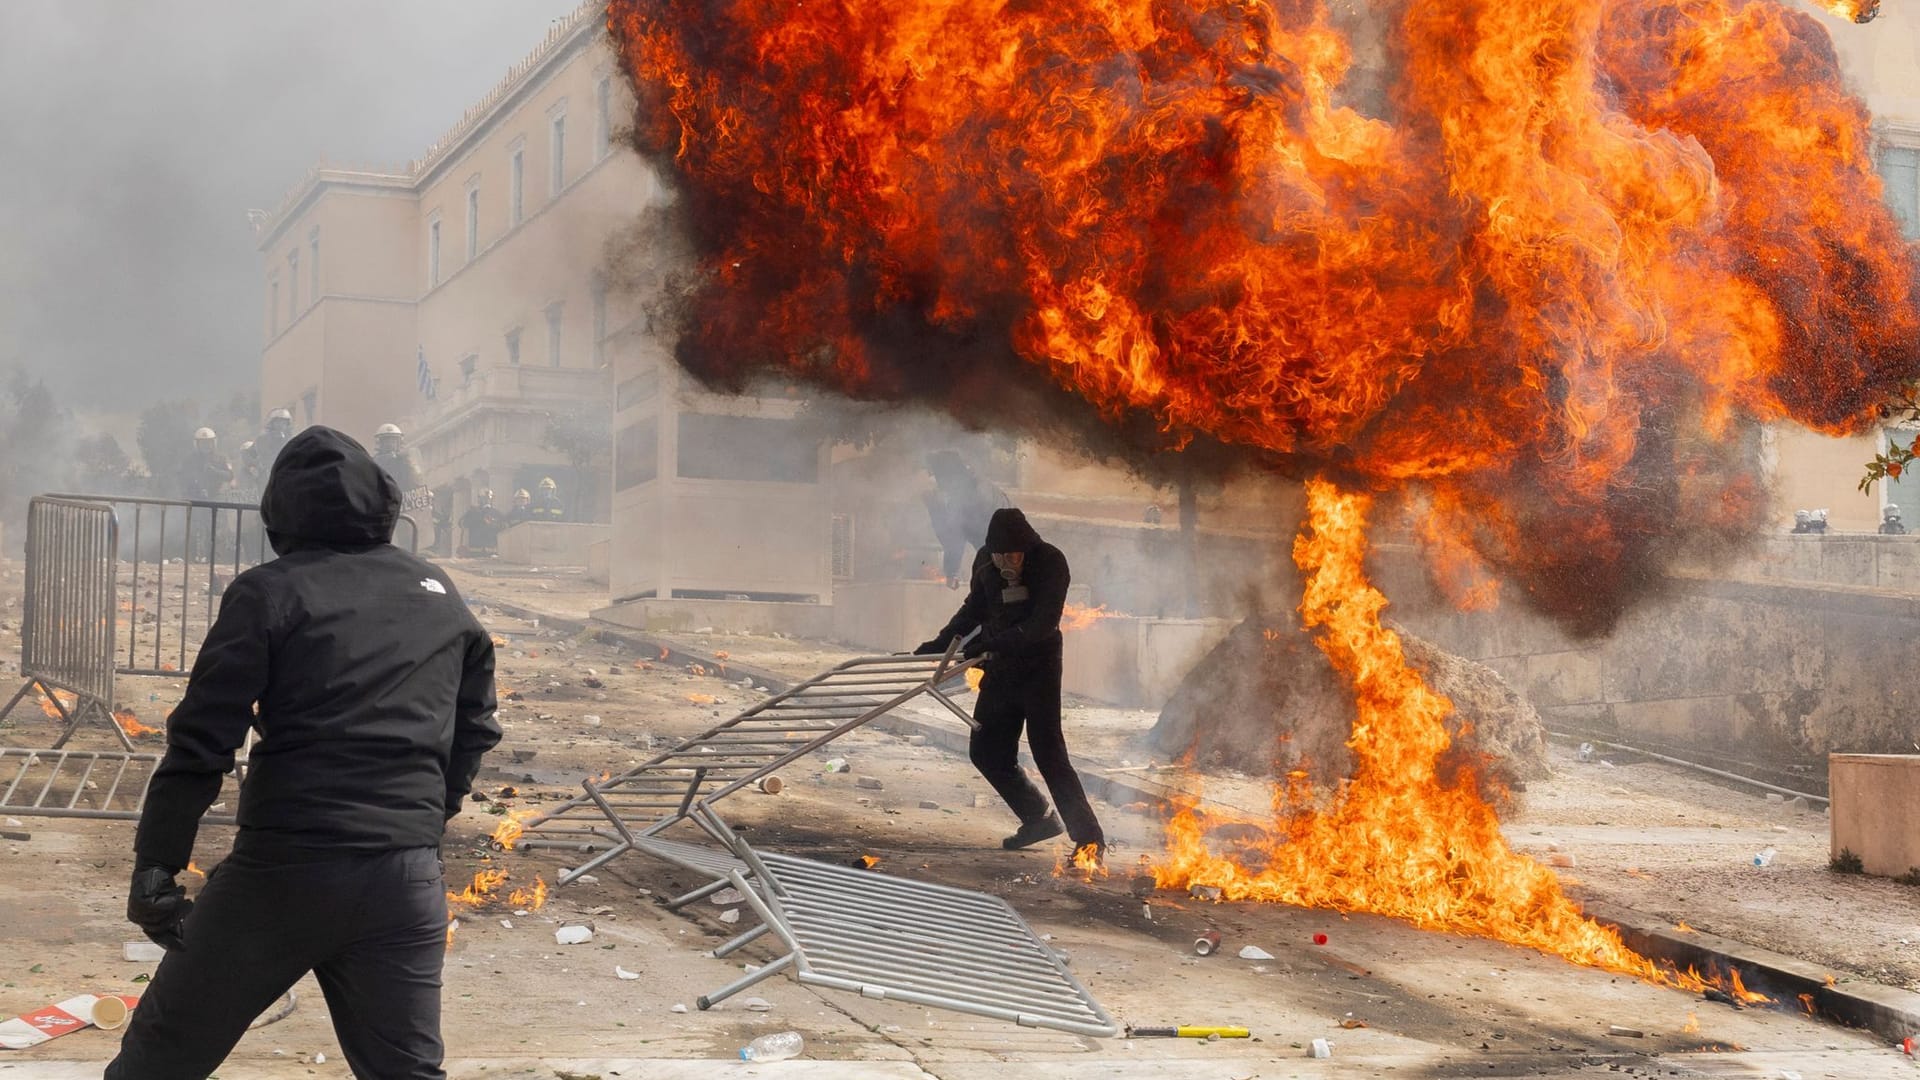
(1399, 839)
(130, 723)
(508, 832)
(484, 889)
(1860, 11)
(976, 676)
(1550, 266)
(1075, 617)
(194, 869)
(869, 861)
(67, 699)
(1692, 1026)
(702, 699)
(1085, 861)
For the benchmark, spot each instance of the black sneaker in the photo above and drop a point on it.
(1032, 832)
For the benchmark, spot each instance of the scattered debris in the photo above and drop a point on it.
(1625, 1032)
(757, 1004)
(867, 783)
(573, 935)
(141, 952)
(929, 804)
(1209, 893)
(727, 897)
(731, 915)
(1319, 939)
(1321, 1048)
(770, 785)
(837, 765)
(1254, 952)
(1207, 943)
(622, 973)
(678, 1008)
(1563, 860)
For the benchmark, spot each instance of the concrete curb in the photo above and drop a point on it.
(1886, 1011)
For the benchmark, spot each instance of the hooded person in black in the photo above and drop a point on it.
(1014, 599)
(370, 687)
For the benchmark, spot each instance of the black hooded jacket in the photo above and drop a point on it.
(1021, 624)
(373, 682)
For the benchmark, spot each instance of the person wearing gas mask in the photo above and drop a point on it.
(1015, 597)
(1890, 523)
(370, 686)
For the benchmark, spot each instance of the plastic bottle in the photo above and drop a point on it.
(776, 1047)
(1765, 858)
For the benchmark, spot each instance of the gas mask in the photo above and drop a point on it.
(1010, 564)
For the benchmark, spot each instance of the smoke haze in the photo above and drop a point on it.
(139, 134)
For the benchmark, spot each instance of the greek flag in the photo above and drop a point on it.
(427, 381)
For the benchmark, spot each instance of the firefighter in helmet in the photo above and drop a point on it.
(546, 504)
(522, 507)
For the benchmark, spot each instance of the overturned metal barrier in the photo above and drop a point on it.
(887, 937)
(738, 752)
(109, 785)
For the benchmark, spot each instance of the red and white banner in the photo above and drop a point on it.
(85, 1010)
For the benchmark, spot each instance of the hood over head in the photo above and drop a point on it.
(1008, 532)
(325, 490)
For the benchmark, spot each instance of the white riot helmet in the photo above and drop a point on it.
(387, 440)
(204, 437)
(280, 422)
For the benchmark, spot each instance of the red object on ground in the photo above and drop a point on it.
(1319, 939)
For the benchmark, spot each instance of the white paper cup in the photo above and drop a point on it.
(108, 1012)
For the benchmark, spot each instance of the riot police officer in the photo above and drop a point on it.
(390, 453)
(207, 472)
(266, 448)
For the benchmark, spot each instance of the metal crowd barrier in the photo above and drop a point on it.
(103, 785)
(66, 634)
(737, 752)
(117, 586)
(887, 937)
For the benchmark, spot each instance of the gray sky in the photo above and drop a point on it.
(136, 134)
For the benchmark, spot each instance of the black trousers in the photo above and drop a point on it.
(372, 929)
(1028, 693)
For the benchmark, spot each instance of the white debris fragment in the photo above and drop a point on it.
(142, 952)
(727, 897)
(590, 720)
(319, 1058)
(1321, 1048)
(622, 973)
(586, 879)
(757, 1004)
(573, 935)
(506, 924)
(1255, 952)
(678, 1009)
(731, 915)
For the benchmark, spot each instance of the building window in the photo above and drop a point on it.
(602, 117)
(746, 448)
(313, 266)
(433, 253)
(273, 305)
(293, 285)
(473, 223)
(636, 454)
(467, 365)
(1900, 170)
(556, 151)
(517, 184)
(513, 346)
(554, 311)
(599, 289)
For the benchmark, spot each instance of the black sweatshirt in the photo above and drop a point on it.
(1020, 625)
(374, 683)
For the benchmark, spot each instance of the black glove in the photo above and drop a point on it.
(157, 905)
(976, 648)
(930, 648)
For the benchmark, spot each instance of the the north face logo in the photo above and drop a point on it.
(433, 586)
